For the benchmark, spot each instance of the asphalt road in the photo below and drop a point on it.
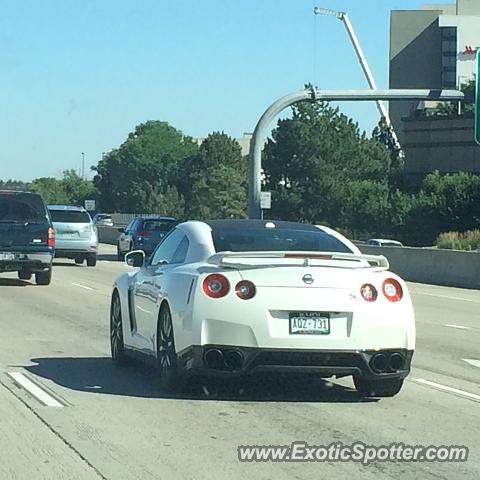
(116, 424)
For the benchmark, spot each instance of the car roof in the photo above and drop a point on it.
(73, 208)
(250, 223)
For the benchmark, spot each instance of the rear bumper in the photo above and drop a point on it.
(234, 361)
(74, 248)
(32, 261)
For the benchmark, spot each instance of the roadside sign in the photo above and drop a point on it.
(477, 101)
(265, 200)
(90, 205)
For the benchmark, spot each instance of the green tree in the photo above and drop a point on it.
(313, 156)
(141, 175)
(76, 189)
(374, 207)
(12, 184)
(215, 180)
(446, 203)
(51, 189)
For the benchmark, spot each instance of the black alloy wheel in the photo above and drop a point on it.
(166, 354)
(116, 332)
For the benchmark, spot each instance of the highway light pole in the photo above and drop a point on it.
(83, 166)
(314, 95)
(343, 17)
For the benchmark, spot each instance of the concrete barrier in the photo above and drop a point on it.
(450, 268)
(108, 235)
(434, 266)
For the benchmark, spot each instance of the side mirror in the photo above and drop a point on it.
(135, 258)
(121, 230)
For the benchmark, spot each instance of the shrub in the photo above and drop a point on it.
(469, 240)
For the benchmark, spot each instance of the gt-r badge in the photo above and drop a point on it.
(308, 279)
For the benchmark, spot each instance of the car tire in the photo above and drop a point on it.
(79, 260)
(117, 346)
(92, 260)
(120, 254)
(167, 359)
(378, 388)
(44, 278)
(24, 275)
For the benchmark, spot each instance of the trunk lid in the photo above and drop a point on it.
(24, 220)
(14, 235)
(304, 277)
(72, 224)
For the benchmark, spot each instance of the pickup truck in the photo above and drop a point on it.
(27, 237)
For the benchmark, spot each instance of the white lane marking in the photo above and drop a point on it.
(35, 390)
(460, 327)
(471, 361)
(445, 388)
(446, 297)
(82, 286)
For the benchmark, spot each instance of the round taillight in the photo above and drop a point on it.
(245, 290)
(369, 292)
(216, 285)
(392, 290)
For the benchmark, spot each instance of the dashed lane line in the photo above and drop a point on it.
(447, 389)
(41, 395)
(82, 286)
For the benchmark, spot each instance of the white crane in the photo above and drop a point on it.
(342, 16)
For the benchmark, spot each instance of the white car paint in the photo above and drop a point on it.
(263, 321)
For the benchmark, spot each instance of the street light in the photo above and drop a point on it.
(328, 11)
(343, 17)
(83, 165)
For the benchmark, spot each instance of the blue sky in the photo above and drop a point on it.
(78, 75)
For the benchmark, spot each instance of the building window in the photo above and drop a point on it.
(449, 61)
(449, 79)
(449, 32)
(449, 56)
(449, 46)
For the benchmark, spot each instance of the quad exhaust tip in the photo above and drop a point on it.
(396, 361)
(218, 360)
(382, 363)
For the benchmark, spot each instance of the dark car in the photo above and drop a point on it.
(143, 233)
(27, 236)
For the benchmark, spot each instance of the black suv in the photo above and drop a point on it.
(27, 237)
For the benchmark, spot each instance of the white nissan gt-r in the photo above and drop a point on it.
(236, 297)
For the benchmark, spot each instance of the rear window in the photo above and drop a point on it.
(22, 208)
(158, 225)
(273, 239)
(69, 216)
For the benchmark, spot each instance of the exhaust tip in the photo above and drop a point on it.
(379, 363)
(234, 359)
(396, 361)
(214, 359)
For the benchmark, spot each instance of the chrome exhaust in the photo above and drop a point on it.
(396, 361)
(214, 359)
(234, 359)
(379, 362)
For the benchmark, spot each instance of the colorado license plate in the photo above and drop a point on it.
(7, 256)
(309, 323)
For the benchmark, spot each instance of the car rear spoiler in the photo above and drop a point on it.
(227, 259)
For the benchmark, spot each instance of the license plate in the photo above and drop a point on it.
(309, 323)
(7, 256)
